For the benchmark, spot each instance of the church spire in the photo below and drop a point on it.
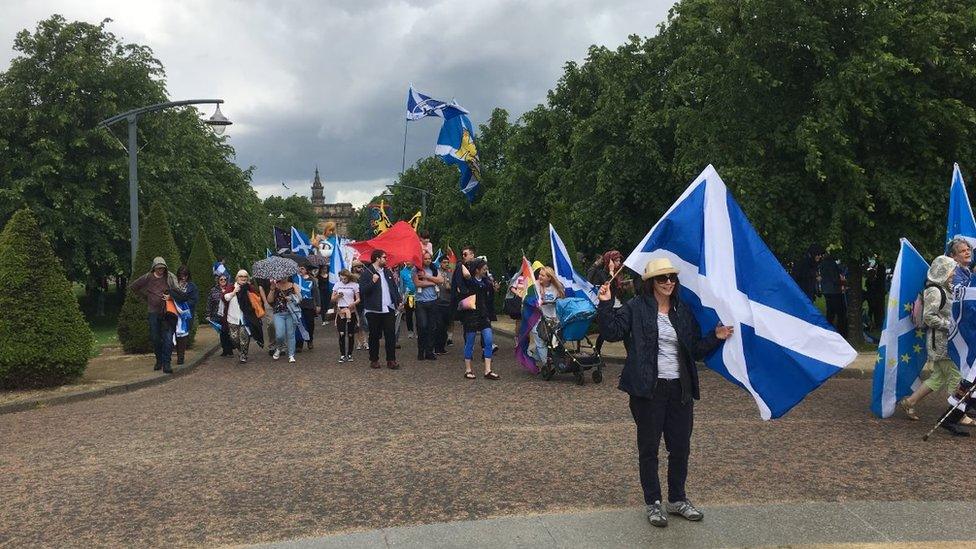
(317, 182)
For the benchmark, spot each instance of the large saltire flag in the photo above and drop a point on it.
(901, 351)
(531, 314)
(300, 243)
(960, 221)
(962, 337)
(455, 145)
(337, 260)
(575, 285)
(783, 347)
(421, 105)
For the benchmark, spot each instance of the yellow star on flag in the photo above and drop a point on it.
(919, 334)
(892, 363)
(892, 302)
(908, 307)
(905, 358)
(918, 348)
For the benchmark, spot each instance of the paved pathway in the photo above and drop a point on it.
(234, 454)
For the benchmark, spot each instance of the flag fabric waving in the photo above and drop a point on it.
(576, 285)
(337, 261)
(400, 243)
(282, 241)
(783, 347)
(901, 351)
(300, 243)
(420, 105)
(531, 314)
(960, 221)
(455, 145)
(962, 337)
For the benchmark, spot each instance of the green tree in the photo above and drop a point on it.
(156, 240)
(200, 262)
(297, 211)
(44, 339)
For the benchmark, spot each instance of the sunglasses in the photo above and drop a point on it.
(661, 279)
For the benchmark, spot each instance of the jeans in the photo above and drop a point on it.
(663, 414)
(347, 331)
(426, 327)
(382, 325)
(308, 320)
(285, 327)
(487, 343)
(161, 336)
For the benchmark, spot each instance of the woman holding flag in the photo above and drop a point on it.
(660, 375)
(187, 288)
(311, 302)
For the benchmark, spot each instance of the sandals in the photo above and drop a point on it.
(492, 375)
(908, 409)
(469, 375)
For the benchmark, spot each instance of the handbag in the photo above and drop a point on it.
(256, 305)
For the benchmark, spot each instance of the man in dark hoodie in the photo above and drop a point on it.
(157, 287)
(806, 271)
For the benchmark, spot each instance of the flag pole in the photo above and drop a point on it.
(403, 159)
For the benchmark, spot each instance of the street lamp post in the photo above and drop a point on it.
(423, 198)
(218, 121)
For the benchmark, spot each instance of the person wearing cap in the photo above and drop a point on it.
(663, 342)
(157, 287)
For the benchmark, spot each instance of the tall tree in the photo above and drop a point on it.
(296, 210)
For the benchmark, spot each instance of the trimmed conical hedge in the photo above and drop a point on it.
(155, 239)
(200, 263)
(44, 339)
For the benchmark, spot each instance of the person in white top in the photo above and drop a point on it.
(550, 289)
(345, 296)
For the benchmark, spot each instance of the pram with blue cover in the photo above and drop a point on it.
(573, 318)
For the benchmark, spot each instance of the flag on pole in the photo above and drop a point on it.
(420, 105)
(455, 145)
(531, 314)
(901, 351)
(267, 253)
(451, 258)
(962, 337)
(576, 285)
(960, 221)
(282, 241)
(437, 258)
(783, 348)
(300, 243)
(337, 261)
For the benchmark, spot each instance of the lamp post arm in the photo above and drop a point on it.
(157, 107)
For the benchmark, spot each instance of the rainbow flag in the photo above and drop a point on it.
(531, 313)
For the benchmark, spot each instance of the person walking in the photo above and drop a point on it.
(550, 289)
(443, 308)
(362, 328)
(242, 322)
(285, 300)
(426, 281)
(191, 295)
(310, 305)
(264, 289)
(806, 271)
(832, 284)
(382, 299)
(156, 287)
(215, 312)
(345, 295)
(661, 377)
(474, 311)
(409, 291)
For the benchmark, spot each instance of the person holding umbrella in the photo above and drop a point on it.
(382, 300)
(285, 299)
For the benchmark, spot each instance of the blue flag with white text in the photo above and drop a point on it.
(455, 145)
(300, 243)
(901, 351)
(783, 348)
(960, 221)
(575, 285)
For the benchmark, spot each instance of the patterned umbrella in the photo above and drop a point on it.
(317, 261)
(275, 268)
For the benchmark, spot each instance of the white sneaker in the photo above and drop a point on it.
(291, 358)
(324, 323)
(410, 335)
(342, 359)
(348, 358)
(276, 355)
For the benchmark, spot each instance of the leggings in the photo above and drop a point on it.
(347, 331)
(487, 342)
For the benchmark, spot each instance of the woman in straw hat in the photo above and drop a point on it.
(663, 342)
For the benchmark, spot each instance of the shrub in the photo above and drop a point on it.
(200, 263)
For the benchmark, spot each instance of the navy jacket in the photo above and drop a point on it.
(372, 292)
(636, 324)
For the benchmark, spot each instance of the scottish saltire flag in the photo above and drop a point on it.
(219, 269)
(420, 105)
(531, 313)
(437, 258)
(300, 243)
(960, 221)
(267, 253)
(455, 145)
(282, 241)
(901, 351)
(783, 348)
(576, 285)
(337, 261)
(304, 285)
(962, 337)
(183, 317)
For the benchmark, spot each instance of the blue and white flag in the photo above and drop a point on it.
(300, 243)
(437, 259)
(962, 337)
(304, 285)
(267, 253)
(337, 260)
(219, 269)
(576, 285)
(455, 145)
(183, 317)
(960, 221)
(901, 351)
(420, 105)
(783, 348)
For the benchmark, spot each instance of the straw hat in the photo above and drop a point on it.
(658, 266)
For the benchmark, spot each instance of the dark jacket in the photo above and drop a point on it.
(479, 318)
(636, 323)
(316, 299)
(372, 292)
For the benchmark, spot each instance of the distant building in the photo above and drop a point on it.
(342, 213)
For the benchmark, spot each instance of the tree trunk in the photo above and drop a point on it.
(855, 299)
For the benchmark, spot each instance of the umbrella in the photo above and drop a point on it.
(276, 268)
(317, 261)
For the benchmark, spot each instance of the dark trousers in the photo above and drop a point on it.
(226, 345)
(382, 325)
(161, 336)
(347, 331)
(408, 315)
(837, 312)
(325, 297)
(181, 343)
(664, 414)
(443, 313)
(426, 327)
(308, 320)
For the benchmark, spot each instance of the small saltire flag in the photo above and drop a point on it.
(783, 347)
(960, 220)
(962, 338)
(901, 351)
(300, 243)
(437, 258)
(337, 261)
(183, 317)
(219, 269)
(576, 285)
(420, 105)
(531, 313)
(267, 253)
(282, 241)
(304, 285)
(455, 145)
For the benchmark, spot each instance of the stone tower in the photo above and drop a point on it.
(318, 195)
(341, 213)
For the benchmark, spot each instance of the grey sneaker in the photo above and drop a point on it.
(656, 514)
(685, 509)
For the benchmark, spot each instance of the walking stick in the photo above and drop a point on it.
(964, 398)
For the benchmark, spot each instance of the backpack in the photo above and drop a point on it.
(917, 308)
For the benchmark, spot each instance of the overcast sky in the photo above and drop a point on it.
(325, 83)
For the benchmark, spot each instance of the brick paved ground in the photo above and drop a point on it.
(266, 451)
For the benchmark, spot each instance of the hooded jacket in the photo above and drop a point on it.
(937, 306)
(152, 289)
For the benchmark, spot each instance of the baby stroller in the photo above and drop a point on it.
(574, 315)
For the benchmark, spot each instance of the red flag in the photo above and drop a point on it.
(400, 243)
(451, 258)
